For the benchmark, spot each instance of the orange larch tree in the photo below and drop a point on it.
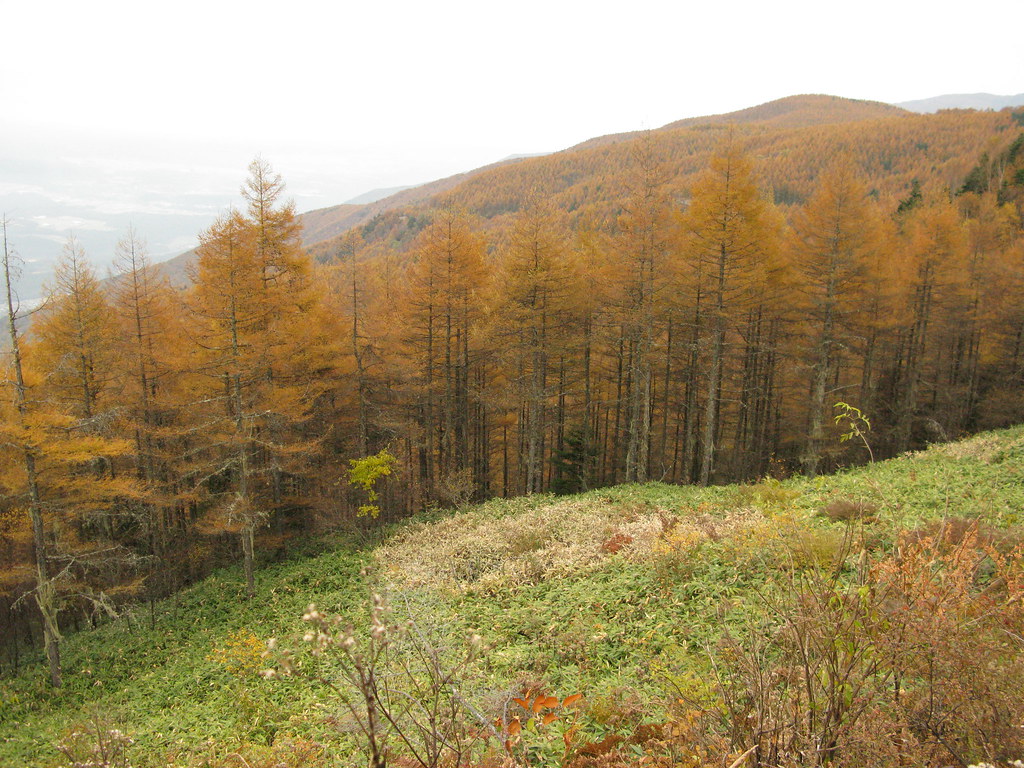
(732, 234)
(528, 324)
(833, 241)
(442, 311)
(642, 251)
(265, 353)
(60, 450)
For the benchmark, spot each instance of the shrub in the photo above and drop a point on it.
(848, 510)
(365, 473)
(525, 732)
(456, 488)
(769, 495)
(953, 642)
(401, 687)
(815, 548)
(241, 654)
(95, 743)
(912, 659)
(285, 752)
(614, 543)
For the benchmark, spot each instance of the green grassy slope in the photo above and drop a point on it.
(614, 594)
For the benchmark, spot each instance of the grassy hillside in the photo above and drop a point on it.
(623, 595)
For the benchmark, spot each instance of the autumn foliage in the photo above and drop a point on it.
(684, 306)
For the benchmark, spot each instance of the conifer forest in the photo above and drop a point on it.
(814, 287)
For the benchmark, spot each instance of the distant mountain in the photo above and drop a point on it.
(376, 194)
(798, 112)
(791, 140)
(789, 112)
(792, 137)
(525, 155)
(963, 101)
(325, 223)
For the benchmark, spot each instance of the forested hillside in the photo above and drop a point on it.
(791, 140)
(791, 112)
(701, 304)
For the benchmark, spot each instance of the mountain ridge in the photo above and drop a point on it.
(376, 194)
(979, 101)
(891, 146)
(789, 111)
(321, 227)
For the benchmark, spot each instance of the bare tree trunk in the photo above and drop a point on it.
(715, 375)
(241, 434)
(822, 374)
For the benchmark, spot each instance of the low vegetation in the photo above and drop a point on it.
(874, 617)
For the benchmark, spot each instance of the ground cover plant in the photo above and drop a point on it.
(873, 617)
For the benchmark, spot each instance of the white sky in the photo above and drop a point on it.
(167, 99)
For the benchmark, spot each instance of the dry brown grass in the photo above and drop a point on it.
(985, 447)
(472, 551)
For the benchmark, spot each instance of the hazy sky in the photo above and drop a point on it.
(150, 112)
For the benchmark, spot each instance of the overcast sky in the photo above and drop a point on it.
(150, 112)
